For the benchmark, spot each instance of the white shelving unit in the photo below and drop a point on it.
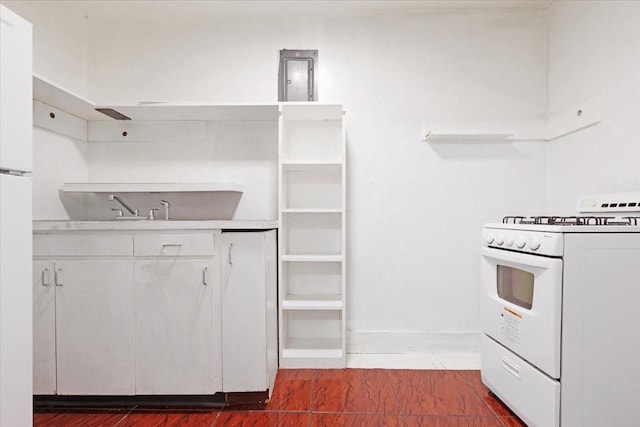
(312, 236)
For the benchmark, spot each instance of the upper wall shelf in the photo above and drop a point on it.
(65, 100)
(198, 112)
(467, 136)
(150, 187)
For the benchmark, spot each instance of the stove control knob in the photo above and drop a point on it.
(487, 238)
(520, 243)
(534, 244)
(499, 239)
(509, 240)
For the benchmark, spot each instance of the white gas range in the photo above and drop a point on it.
(560, 314)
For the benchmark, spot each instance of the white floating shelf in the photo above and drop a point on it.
(452, 136)
(312, 302)
(164, 111)
(312, 258)
(63, 99)
(150, 187)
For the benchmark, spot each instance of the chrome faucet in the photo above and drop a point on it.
(133, 212)
(167, 209)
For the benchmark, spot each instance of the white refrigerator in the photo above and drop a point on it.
(15, 220)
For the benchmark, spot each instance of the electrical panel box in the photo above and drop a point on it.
(296, 75)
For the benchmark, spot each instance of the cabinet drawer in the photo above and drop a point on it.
(83, 245)
(532, 395)
(200, 244)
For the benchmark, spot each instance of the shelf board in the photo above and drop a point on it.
(311, 111)
(312, 353)
(150, 187)
(57, 96)
(479, 135)
(63, 99)
(302, 163)
(312, 258)
(186, 111)
(312, 211)
(313, 348)
(312, 302)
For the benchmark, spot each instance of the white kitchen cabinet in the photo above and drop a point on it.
(44, 328)
(83, 314)
(312, 236)
(94, 327)
(249, 311)
(139, 311)
(176, 323)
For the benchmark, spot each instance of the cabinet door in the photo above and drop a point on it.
(44, 328)
(244, 313)
(94, 327)
(174, 323)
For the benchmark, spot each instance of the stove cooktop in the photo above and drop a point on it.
(598, 213)
(573, 220)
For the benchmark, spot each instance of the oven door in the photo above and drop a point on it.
(521, 305)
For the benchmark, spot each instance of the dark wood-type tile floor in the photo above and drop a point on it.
(335, 398)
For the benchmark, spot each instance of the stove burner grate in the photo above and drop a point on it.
(572, 220)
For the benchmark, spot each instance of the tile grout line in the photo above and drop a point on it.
(313, 387)
(481, 398)
(215, 420)
(397, 399)
(125, 416)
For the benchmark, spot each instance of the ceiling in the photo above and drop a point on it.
(185, 9)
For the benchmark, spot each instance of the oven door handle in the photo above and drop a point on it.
(501, 256)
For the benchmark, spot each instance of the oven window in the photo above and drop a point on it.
(515, 286)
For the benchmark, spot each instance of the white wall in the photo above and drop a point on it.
(240, 152)
(59, 41)
(56, 159)
(60, 54)
(594, 49)
(414, 209)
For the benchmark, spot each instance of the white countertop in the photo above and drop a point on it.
(134, 225)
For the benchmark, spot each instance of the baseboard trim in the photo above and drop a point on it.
(413, 350)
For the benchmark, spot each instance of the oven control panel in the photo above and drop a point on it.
(534, 242)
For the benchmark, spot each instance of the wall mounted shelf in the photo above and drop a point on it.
(63, 99)
(162, 111)
(467, 136)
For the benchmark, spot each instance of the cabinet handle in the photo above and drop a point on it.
(59, 277)
(172, 245)
(45, 276)
(230, 248)
(204, 276)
